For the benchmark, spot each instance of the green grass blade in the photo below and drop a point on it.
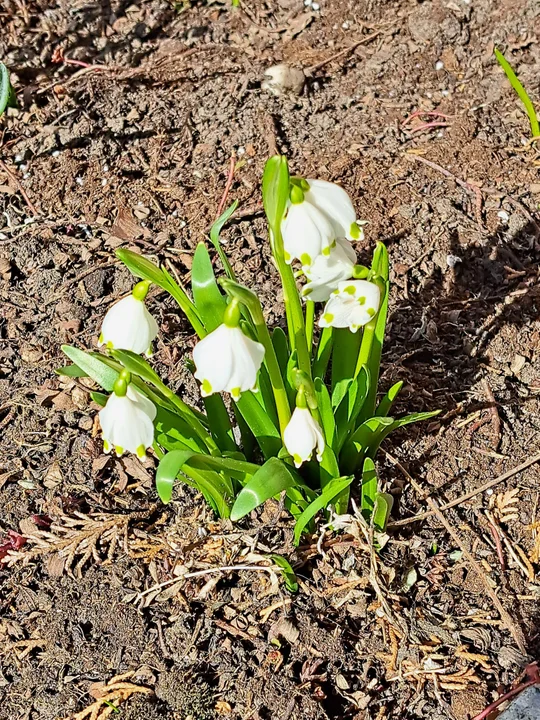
(286, 570)
(521, 92)
(369, 488)
(387, 402)
(92, 366)
(362, 441)
(7, 94)
(214, 237)
(262, 427)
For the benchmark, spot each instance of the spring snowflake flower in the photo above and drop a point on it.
(353, 304)
(227, 360)
(328, 270)
(302, 436)
(127, 420)
(333, 201)
(319, 212)
(128, 325)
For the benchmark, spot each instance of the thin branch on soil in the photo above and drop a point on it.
(20, 188)
(494, 413)
(468, 496)
(510, 624)
(228, 186)
(199, 573)
(462, 183)
(341, 53)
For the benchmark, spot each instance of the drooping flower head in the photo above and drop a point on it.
(227, 360)
(303, 434)
(336, 263)
(128, 325)
(319, 212)
(353, 304)
(127, 420)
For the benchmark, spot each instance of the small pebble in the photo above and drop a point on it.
(105, 168)
(503, 215)
(439, 65)
(307, 3)
(79, 180)
(241, 151)
(55, 153)
(345, 25)
(18, 158)
(23, 167)
(445, 93)
(452, 260)
(104, 182)
(315, 6)
(280, 79)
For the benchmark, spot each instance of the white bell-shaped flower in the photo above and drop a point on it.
(352, 305)
(303, 435)
(333, 201)
(127, 421)
(328, 270)
(227, 360)
(306, 231)
(128, 325)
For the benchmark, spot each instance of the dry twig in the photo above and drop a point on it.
(109, 696)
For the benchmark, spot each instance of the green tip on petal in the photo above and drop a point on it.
(287, 256)
(141, 452)
(296, 195)
(326, 251)
(118, 450)
(106, 446)
(297, 460)
(235, 392)
(355, 231)
(350, 289)
(305, 259)
(109, 345)
(100, 339)
(328, 317)
(361, 300)
(371, 312)
(206, 387)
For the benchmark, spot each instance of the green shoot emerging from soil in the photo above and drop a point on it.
(7, 94)
(521, 92)
(294, 414)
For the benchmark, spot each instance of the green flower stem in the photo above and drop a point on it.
(310, 322)
(324, 351)
(293, 304)
(365, 347)
(187, 307)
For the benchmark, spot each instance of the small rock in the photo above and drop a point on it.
(525, 707)
(280, 79)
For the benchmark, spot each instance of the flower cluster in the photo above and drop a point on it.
(318, 229)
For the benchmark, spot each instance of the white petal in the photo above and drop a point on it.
(328, 270)
(302, 435)
(129, 326)
(227, 360)
(127, 422)
(355, 303)
(306, 232)
(335, 203)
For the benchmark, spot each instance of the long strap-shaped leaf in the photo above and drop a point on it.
(271, 478)
(330, 492)
(209, 301)
(262, 427)
(362, 441)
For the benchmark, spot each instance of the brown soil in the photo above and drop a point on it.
(134, 150)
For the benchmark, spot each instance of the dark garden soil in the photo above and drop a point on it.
(132, 147)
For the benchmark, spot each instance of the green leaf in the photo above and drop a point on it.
(382, 510)
(217, 490)
(325, 410)
(219, 422)
(388, 400)
(137, 365)
(275, 189)
(99, 398)
(350, 407)
(402, 422)
(273, 477)
(369, 488)
(7, 94)
(521, 92)
(214, 237)
(344, 354)
(363, 440)
(324, 352)
(93, 366)
(330, 492)
(208, 300)
(281, 347)
(72, 371)
(263, 429)
(142, 268)
(288, 573)
(173, 432)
